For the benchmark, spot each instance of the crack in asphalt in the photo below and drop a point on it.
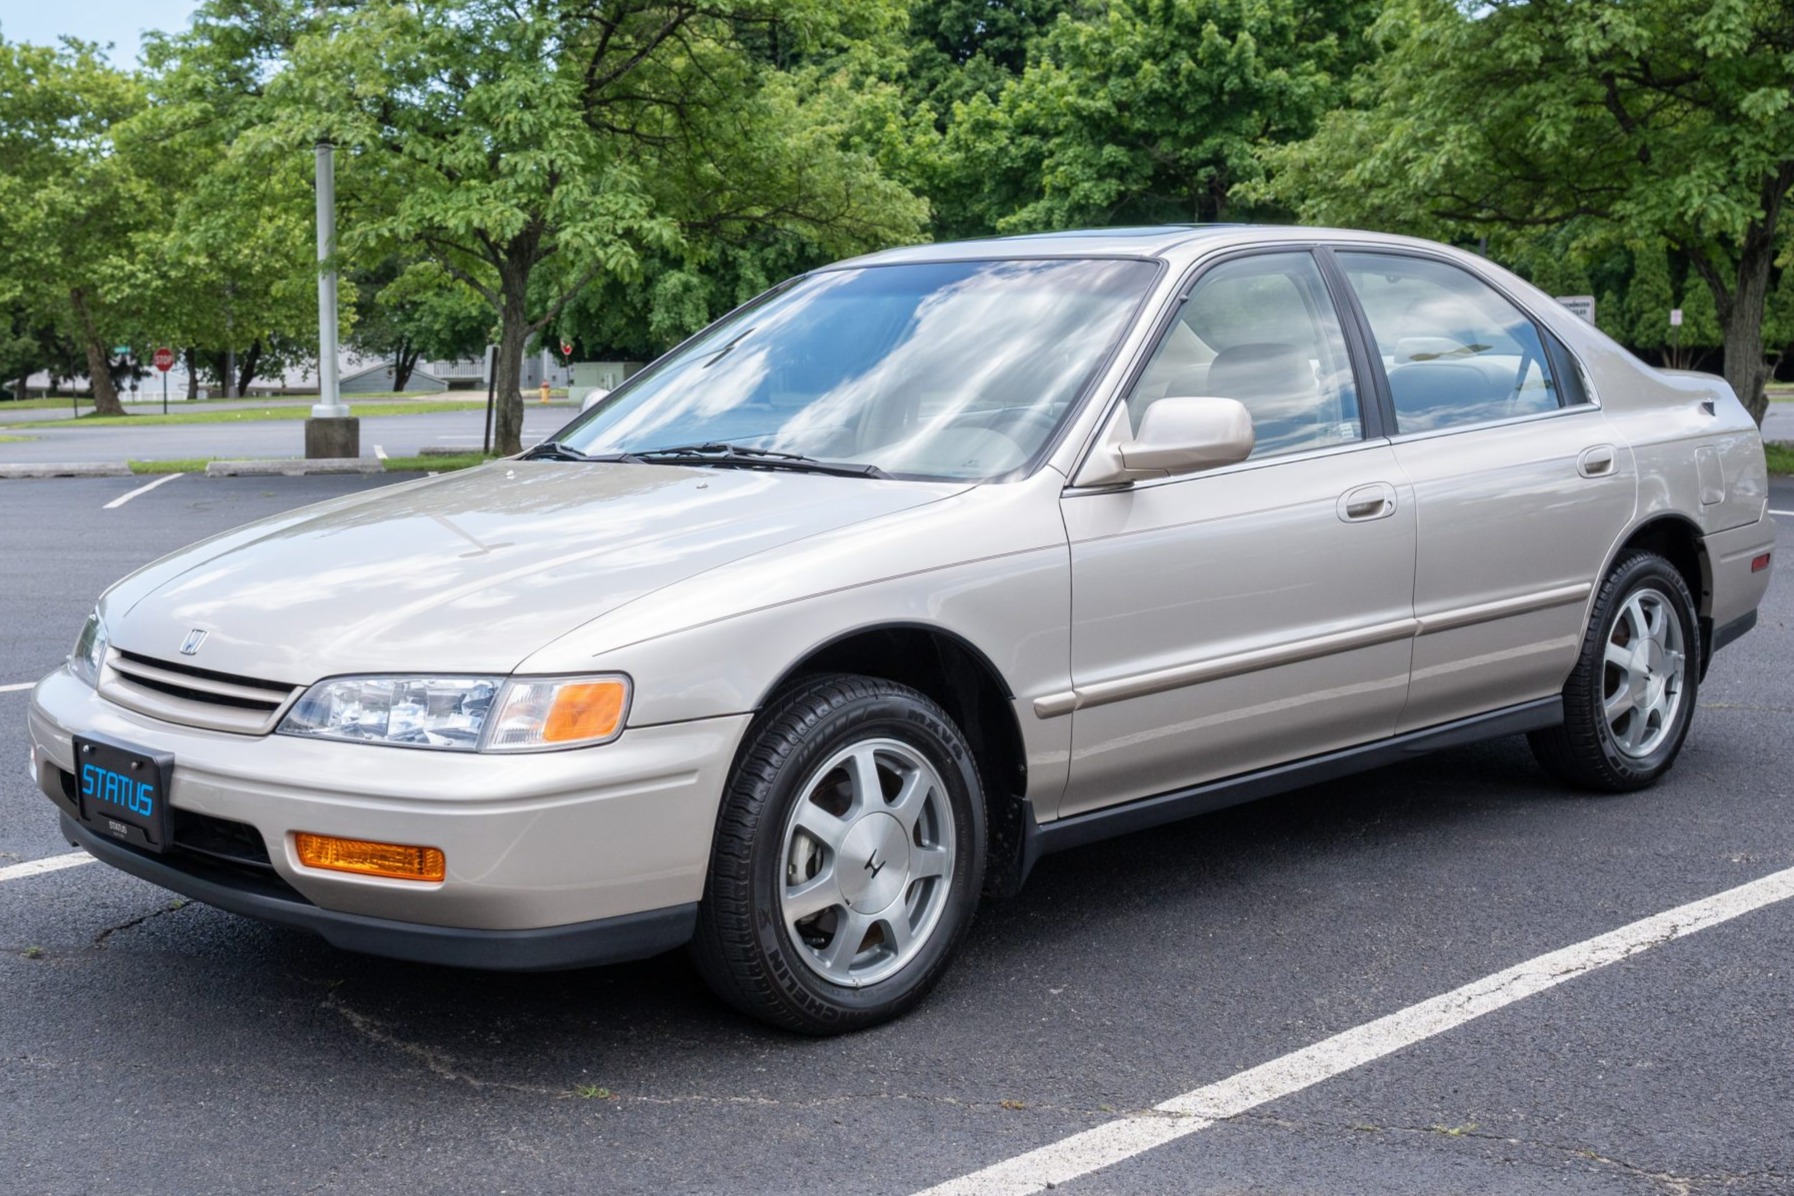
(438, 1063)
(444, 1066)
(99, 940)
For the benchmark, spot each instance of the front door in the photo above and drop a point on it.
(1234, 619)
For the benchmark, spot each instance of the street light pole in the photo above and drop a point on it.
(331, 431)
(330, 403)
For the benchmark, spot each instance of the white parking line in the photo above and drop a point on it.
(9, 689)
(379, 452)
(54, 863)
(1773, 511)
(122, 499)
(1180, 1116)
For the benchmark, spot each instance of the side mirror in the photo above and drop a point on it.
(1177, 436)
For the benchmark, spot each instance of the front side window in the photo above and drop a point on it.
(1261, 330)
(1456, 352)
(953, 370)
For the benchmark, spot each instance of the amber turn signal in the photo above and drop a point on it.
(535, 713)
(586, 711)
(393, 860)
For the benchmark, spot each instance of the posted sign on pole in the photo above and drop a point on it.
(164, 360)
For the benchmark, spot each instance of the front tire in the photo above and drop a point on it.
(848, 860)
(1630, 698)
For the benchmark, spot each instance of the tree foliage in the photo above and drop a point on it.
(70, 209)
(530, 148)
(1670, 120)
(1153, 111)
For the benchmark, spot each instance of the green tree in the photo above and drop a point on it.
(532, 147)
(1650, 298)
(1154, 110)
(1778, 322)
(1670, 119)
(69, 208)
(406, 312)
(230, 273)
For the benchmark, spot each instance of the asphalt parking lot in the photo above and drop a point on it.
(149, 1046)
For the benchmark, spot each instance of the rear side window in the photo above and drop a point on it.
(1455, 351)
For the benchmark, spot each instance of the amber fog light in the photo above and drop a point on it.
(393, 860)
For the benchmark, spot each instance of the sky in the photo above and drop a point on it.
(120, 22)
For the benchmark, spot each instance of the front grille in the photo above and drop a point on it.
(180, 693)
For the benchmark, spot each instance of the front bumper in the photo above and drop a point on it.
(556, 853)
(583, 944)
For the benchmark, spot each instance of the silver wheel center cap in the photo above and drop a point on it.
(874, 863)
(1647, 673)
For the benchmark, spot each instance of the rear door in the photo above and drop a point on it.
(1521, 486)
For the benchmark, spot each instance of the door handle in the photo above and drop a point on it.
(1596, 462)
(1365, 503)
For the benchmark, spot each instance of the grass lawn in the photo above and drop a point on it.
(15, 439)
(294, 411)
(1781, 457)
(435, 464)
(63, 403)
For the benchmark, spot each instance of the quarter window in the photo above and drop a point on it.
(1261, 330)
(1455, 351)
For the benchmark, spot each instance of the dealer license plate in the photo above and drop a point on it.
(123, 791)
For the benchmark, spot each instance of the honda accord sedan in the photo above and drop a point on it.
(840, 615)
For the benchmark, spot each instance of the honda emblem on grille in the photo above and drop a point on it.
(194, 639)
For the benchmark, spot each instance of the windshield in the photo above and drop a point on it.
(956, 370)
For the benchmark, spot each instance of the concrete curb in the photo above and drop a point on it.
(88, 469)
(294, 467)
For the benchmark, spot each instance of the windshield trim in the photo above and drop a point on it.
(1048, 446)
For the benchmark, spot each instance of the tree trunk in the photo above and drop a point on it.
(507, 434)
(246, 367)
(1745, 301)
(99, 361)
(191, 358)
(403, 362)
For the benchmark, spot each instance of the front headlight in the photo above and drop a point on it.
(90, 651)
(463, 714)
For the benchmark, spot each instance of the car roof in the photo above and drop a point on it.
(1172, 241)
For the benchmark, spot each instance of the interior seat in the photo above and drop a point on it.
(1276, 384)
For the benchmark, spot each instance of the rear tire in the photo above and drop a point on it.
(1630, 699)
(848, 860)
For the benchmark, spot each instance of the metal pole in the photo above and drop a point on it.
(330, 403)
(164, 392)
(491, 381)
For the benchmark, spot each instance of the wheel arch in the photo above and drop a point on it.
(961, 678)
(1679, 541)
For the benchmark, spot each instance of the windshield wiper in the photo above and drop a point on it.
(554, 450)
(741, 456)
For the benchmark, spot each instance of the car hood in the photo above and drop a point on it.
(474, 571)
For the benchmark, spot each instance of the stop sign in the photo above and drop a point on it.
(164, 359)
